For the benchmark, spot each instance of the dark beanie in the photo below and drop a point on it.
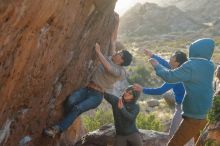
(127, 58)
(135, 93)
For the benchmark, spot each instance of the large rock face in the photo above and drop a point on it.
(46, 51)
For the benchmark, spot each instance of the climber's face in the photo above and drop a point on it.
(173, 63)
(118, 58)
(128, 95)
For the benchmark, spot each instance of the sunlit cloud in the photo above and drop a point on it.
(123, 5)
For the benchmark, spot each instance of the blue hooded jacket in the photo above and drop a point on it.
(197, 76)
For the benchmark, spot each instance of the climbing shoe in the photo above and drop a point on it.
(52, 131)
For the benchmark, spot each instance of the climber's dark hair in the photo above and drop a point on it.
(127, 58)
(181, 57)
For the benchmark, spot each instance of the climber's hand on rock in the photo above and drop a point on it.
(97, 48)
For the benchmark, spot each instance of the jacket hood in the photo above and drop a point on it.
(202, 48)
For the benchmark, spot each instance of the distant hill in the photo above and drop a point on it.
(200, 10)
(150, 20)
(171, 19)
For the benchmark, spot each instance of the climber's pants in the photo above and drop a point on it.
(189, 128)
(81, 101)
(131, 140)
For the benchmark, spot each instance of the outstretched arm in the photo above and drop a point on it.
(111, 98)
(180, 74)
(162, 61)
(153, 91)
(119, 72)
(158, 91)
(102, 58)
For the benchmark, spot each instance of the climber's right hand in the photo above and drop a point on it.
(97, 48)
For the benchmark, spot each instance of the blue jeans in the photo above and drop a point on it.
(80, 101)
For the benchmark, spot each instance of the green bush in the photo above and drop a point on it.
(211, 142)
(143, 75)
(140, 75)
(214, 114)
(100, 118)
(148, 122)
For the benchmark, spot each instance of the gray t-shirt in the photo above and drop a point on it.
(106, 79)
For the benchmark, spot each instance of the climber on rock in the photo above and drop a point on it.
(89, 97)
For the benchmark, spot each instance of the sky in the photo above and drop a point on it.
(124, 5)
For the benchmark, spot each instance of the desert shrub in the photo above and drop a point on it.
(149, 122)
(143, 75)
(102, 117)
(139, 75)
(98, 119)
